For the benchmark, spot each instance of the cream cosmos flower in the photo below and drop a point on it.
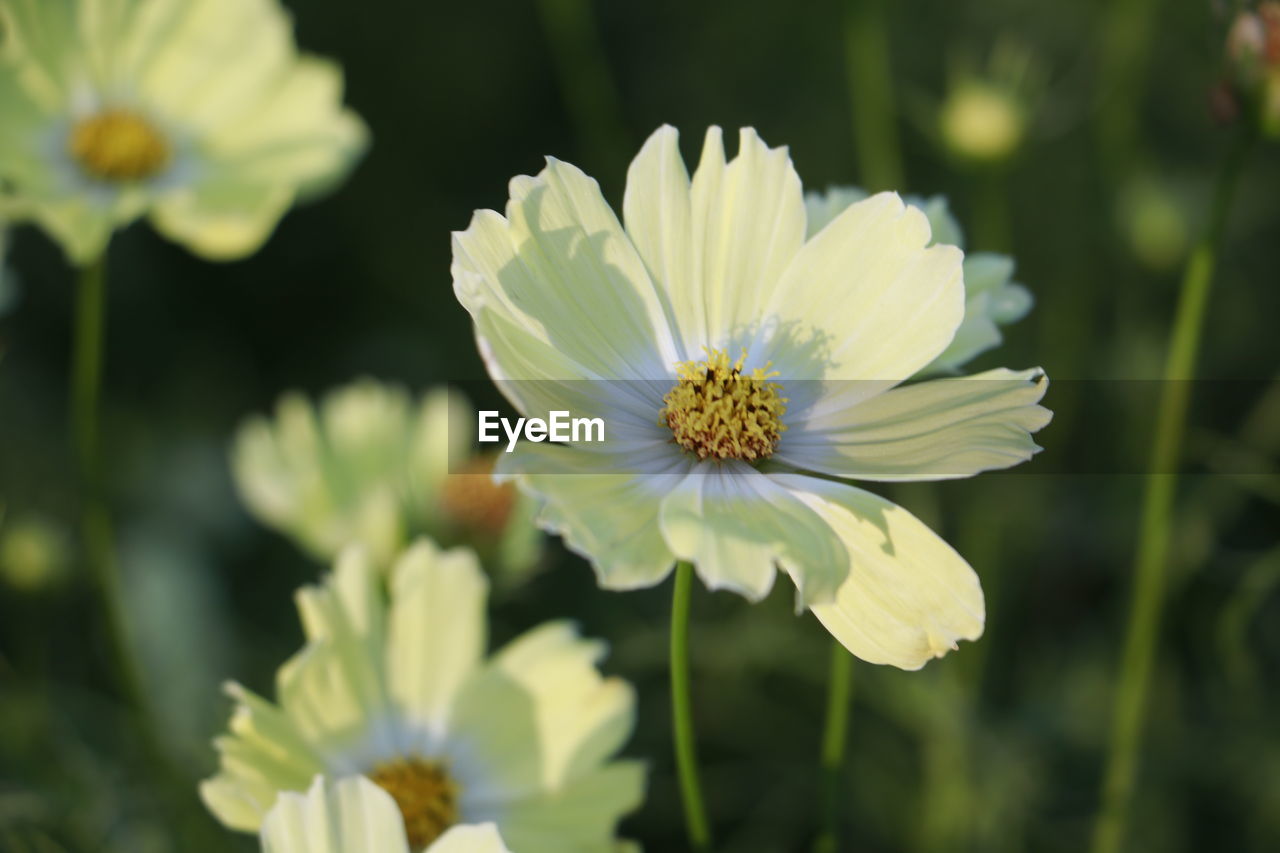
(398, 691)
(371, 465)
(742, 368)
(354, 815)
(198, 113)
(992, 298)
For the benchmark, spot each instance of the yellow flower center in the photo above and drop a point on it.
(427, 797)
(473, 501)
(717, 411)
(118, 145)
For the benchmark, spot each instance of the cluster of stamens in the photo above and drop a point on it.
(717, 411)
(118, 145)
(426, 796)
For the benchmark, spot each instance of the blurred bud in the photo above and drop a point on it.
(1253, 65)
(985, 116)
(1246, 44)
(1155, 222)
(34, 553)
(982, 123)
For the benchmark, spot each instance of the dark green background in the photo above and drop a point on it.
(999, 746)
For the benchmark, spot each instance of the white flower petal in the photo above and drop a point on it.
(936, 430)
(351, 815)
(977, 334)
(477, 838)
(537, 718)
(865, 299)
(560, 274)
(909, 596)
(734, 524)
(610, 519)
(583, 718)
(580, 816)
(436, 629)
(265, 754)
(222, 219)
(657, 210)
(748, 224)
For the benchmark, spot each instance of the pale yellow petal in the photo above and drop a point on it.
(748, 225)
(350, 815)
(735, 524)
(909, 596)
(865, 299)
(936, 430)
(436, 631)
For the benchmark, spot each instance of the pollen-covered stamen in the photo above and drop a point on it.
(474, 502)
(118, 145)
(426, 795)
(718, 412)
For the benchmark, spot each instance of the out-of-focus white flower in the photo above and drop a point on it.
(369, 464)
(992, 298)
(397, 689)
(200, 114)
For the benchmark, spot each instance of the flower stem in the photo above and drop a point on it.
(695, 814)
(875, 128)
(86, 395)
(1157, 510)
(1127, 32)
(834, 737)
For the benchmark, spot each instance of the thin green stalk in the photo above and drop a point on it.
(1128, 28)
(992, 221)
(834, 738)
(586, 81)
(695, 813)
(1157, 510)
(875, 127)
(86, 395)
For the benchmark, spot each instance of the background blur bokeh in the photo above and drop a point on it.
(996, 747)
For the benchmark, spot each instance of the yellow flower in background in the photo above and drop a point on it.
(200, 114)
(992, 298)
(371, 465)
(741, 365)
(354, 815)
(397, 689)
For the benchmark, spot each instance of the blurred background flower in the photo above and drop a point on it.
(394, 684)
(373, 466)
(1000, 747)
(198, 113)
(992, 297)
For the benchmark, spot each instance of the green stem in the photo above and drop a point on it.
(695, 814)
(875, 128)
(1157, 510)
(1126, 45)
(86, 395)
(834, 737)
